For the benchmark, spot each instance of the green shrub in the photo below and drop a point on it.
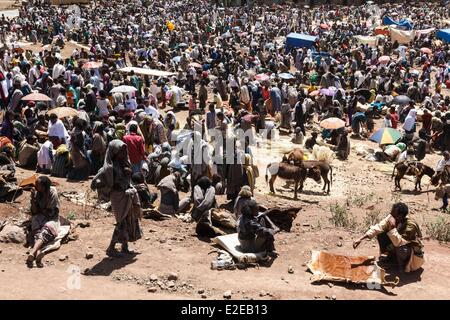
(439, 229)
(340, 216)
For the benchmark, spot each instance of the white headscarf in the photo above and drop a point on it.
(410, 120)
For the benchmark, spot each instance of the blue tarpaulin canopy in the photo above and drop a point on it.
(298, 40)
(443, 34)
(404, 23)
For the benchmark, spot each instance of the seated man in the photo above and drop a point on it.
(170, 198)
(398, 236)
(147, 198)
(310, 142)
(204, 197)
(28, 150)
(253, 234)
(45, 156)
(44, 218)
(298, 136)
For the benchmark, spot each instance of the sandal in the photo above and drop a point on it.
(39, 258)
(113, 253)
(128, 251)
(30, 260)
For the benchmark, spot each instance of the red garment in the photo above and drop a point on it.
(136, 150)
(426, 121)
(265, 93)
(394, 120)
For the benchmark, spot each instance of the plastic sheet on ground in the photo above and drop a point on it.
(322, 153)
(362, 149)
(85, 199)
(231, 244)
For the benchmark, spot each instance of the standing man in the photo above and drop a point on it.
(136, 148)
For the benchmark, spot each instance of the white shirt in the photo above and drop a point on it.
(441, 164)
(57, 130)
(102, 105)
(151, 111)
(43, 156)
(58, 70)
(130, 104)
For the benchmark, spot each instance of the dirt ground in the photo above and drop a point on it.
(6, 4)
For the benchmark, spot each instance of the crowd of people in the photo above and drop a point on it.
(231, 71)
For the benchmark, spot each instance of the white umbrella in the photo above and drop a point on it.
(123, 89)
(226, 35)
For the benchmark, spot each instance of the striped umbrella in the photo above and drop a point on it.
(386, 136)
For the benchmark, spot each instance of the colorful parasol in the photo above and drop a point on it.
(386, 136)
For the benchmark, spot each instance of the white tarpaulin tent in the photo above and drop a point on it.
(370, 41)
(148, 72)
(424, 31)
(402, 36)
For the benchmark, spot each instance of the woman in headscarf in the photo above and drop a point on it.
(98, 150)
(204, 196)
(249, 174)
(170, 198)
(80, 164)
(7, 128)
(245, 195)
(120, 130)
(235, 177)
(410, 122)
(146, 129)
(199, 157)
(44, 218)
(113, 183)
(171, 124)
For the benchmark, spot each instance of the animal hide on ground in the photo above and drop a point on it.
(361, 270)
(283, 218)
(223, 218)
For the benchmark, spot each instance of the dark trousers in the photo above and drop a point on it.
(401, 254)
(301, 125)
